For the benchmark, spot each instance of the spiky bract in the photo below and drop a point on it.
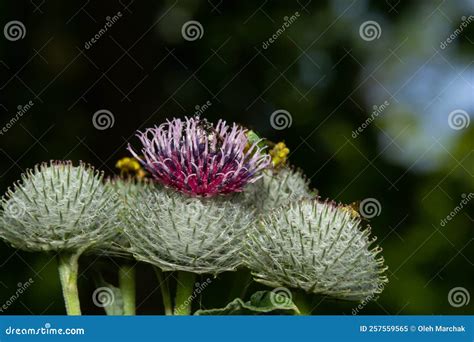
(57, 207)
(179, 232)
(318, 247)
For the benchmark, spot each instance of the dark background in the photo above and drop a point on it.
(320, 70)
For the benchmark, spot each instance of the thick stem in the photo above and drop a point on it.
(301, 302)
(68, 267)
(165, 292)
(128, 288)
(184, 293)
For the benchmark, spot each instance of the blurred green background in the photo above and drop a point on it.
(323, 70)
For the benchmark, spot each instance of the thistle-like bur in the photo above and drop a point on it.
(57, 207)
(318, 247)
(277, 187)
(180, 233)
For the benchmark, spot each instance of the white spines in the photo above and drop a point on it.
(57, 206)
(318, 247)
(194, 234)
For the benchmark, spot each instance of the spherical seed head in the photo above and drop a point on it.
(318, 247)
(200, 159)
(57, 207)
(178, 232)
(277, 187)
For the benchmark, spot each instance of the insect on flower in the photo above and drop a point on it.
(278, 151)
(130, 167)
(279, 154)
(199, 158)
(355, 211)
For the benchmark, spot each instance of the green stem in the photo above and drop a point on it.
(184, 293)
(301, 302)
(165, 292)
(68, 266)
(128, 288)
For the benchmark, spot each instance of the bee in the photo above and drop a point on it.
(355, 211)
(211, 133)
(130, 167)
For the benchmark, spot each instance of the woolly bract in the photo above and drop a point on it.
(178, 232)
(276, 188)
(55, 207)
(318, 247)
(125, 190)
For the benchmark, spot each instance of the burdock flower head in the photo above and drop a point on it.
(200, 159)
(61, 208)
(316, 246)
(177, 232)
(57, 207)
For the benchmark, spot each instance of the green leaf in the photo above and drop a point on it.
(262, 302)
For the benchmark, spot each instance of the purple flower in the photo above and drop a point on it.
(200, 159)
